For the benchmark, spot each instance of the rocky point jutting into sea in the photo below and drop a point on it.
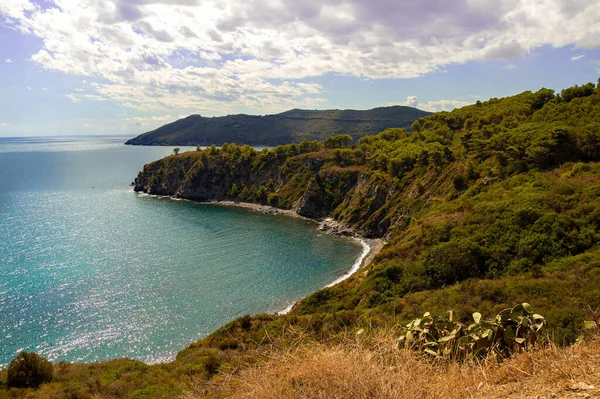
(306, 183)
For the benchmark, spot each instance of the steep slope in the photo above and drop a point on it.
(288, 127)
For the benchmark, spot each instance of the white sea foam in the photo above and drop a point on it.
(354, 269)
(287, 309)
(356, 266)
(159, 359)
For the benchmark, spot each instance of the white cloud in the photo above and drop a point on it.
(152, 120)
(443, 105)
(4, 124)
(577, 57)
(74, 98)
(412, 101)
(212, 56)
(509, 66)
(511, 50)
(29, 88)
(432, 106)
(44, 88)
(79, 90)
(311, 88)
(8, 61)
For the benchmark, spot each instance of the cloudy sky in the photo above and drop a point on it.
(128, 66)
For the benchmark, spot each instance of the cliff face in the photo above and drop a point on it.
(311, 184)
(315, 182)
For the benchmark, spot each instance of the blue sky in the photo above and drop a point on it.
(129, 66)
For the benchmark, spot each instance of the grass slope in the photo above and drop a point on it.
(373, 367)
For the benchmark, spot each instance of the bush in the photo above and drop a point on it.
(212, 364)
(454, 261)
(28, 370)
(273, 199)
(246, 323)
(460, 183)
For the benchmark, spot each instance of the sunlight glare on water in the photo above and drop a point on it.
(90, 270)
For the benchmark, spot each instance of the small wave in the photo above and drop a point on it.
(356, 265)
(159, 359)
(287, 309)
(354, 269)
(170, 197)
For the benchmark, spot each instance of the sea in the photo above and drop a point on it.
(90, 270)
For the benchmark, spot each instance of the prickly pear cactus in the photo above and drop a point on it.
(513, 329)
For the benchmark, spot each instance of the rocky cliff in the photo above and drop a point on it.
(311, 183)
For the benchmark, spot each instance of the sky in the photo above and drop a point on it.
(128, 66)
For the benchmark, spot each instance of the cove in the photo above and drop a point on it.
(90, 270)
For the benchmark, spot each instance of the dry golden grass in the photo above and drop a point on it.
(372, 367)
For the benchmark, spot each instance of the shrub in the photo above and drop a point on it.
(28, 370)
(273, 199)
(246, 322)
(453, 261)
(212, 364)
(460, 183)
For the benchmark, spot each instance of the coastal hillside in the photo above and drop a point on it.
(478, 209)
(488, 205)
(287, 127)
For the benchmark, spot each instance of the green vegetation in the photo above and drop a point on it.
(480, 208)
(502, 194)
(512, 330)
(287, 127)
(28, 370)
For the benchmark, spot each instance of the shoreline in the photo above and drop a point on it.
(370, 249)
(371, 246)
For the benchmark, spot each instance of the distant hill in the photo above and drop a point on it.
(287, 127)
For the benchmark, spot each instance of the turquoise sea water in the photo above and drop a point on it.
(90, 270)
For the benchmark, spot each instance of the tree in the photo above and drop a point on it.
(576, 91)
(341, 140)
(344, 139)
(28, 370)
(176, 150)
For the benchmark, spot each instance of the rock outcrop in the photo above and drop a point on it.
(306, 183)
